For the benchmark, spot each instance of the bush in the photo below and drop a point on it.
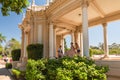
(96, 51)
(8, 65)
(114, 51)
(35, 51)
(18, 74)
(66, 68)
(16, 54)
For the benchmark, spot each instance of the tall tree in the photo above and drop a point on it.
(12, 5)
(101, 45)
(65, 45)
(13, 44)
(2, 38)
(1, 49)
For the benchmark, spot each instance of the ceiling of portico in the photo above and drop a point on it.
(96, 9)
(99, 11)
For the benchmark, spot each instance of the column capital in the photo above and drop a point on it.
(62, 36)
(54, 27)
(50, 24)
(79, 29)
(27, 30)
(72, 31)
(21, 26)
(85, 3)
(104, 24)
(49, 21)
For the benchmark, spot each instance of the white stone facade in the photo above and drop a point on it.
(50, 23)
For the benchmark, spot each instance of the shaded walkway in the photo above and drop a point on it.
(4, 73)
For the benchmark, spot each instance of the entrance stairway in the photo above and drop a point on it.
(114, 66)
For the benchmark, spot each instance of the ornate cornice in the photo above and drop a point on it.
(27, 29)
(55, 5)
(21, 26)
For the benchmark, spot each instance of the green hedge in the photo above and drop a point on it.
(35, 51)
(66, 68)
(18, 75)
(8, 65)
(96, 52)
(16, 54)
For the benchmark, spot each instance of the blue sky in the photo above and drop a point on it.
(9, 28)
(96, 33)
(9, 24)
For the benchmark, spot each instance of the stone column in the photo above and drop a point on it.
(32, 29)
(25, 44)
(47, 2)
(76, 36)
(106, 48)
(85, 28)
(51, 46)
(62, 43)
(50, 1)
(35, 32)
(45, 40)
(40, 34)
(26, 41)
(54, 40)
(81, 42)
(22, 45)
(72, 37)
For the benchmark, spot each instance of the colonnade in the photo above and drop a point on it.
(82, 37)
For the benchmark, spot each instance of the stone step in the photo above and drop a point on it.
(114, 72)
(111, 64)
(114, 66)
(111, 77)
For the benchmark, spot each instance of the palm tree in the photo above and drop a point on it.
(13, 44)
(2, 38)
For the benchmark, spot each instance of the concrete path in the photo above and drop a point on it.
(4, 73)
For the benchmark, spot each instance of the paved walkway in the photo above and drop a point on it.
(4, 73)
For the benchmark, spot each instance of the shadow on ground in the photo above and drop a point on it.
(5, 74)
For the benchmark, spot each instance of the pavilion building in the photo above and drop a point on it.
(48, 24)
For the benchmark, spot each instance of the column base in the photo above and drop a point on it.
(24, 59)
(20, 59)
(105, 56)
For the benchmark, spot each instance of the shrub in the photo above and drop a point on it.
(35, 51)
(96, 51)
(8, 65)
(114, 51)
(16, 54)
(18, 74)
(66, 68)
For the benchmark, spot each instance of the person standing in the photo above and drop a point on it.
(71, 52)
(60, 52)
(72, 46)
